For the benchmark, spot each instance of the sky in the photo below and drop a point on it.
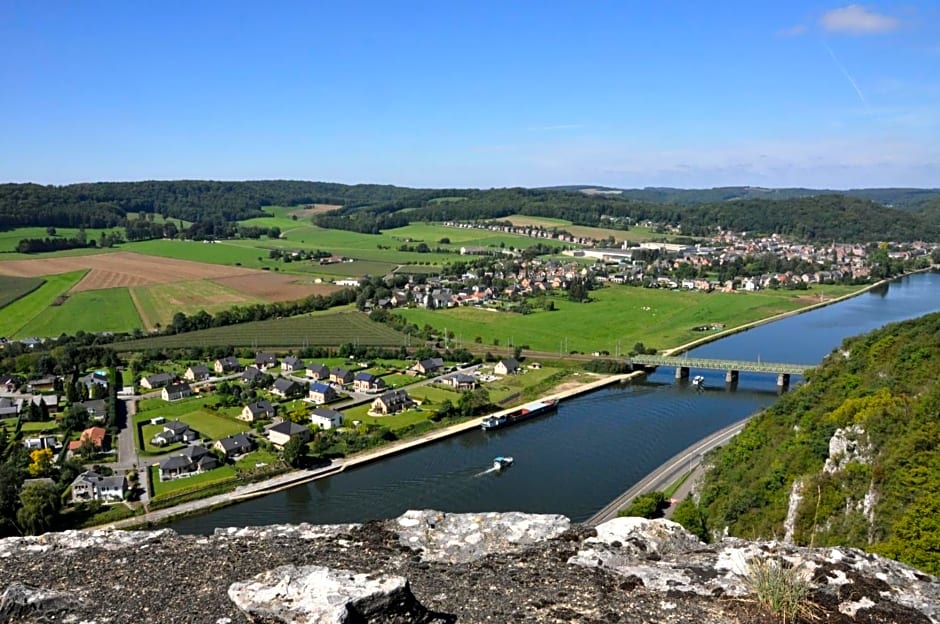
(479, 93)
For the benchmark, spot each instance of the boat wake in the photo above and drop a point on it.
(487, 471)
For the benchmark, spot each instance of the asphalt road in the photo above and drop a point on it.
(668, 473)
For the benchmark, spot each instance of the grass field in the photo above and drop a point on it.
(198, 481)
(158, 303)
(12, 288)
(618, 315)
(91, 311)
(10, 238)
(328, 328)
(17, 314)
(635, 234)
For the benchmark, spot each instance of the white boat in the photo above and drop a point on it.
(494, 422)
(502, 462)
(698, 380)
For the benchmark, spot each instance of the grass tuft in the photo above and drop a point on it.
(782, 589)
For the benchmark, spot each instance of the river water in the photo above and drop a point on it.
(595, 446)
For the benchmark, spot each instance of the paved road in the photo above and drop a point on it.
(668, 473)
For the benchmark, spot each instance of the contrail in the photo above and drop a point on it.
(847, 75)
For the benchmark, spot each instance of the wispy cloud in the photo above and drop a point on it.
(793, 31)
(857, 20)
(847, 75)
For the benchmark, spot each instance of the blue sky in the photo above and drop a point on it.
(482, 94)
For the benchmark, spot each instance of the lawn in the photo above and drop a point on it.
(209, 425)
(110, 310)
(195, 482)
(9, 239)
(158, 303)
(616, 319)
(248, 463)
(393, 422)
(12, 288)
(30, 428)
(17, 314)
(634, 234)
(328, 328)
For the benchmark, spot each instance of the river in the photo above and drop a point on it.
(596, 446)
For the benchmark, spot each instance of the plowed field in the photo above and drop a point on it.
(275, 286)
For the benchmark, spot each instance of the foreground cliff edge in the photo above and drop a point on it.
(429, 566)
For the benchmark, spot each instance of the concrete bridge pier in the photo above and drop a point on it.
(783, 380)
(731, 377)
(682, 372)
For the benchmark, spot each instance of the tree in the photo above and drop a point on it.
(87, 449)
(649, 505)
(41, 463)
(76, 418)
(690, 516)
(40, 508)
(295, 452)
(11, 480)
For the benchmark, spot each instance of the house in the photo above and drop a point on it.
(257, 411)
(193, 460)
(238, 444)
(9, 383)
(158, 380)
(326, 418)
(427, 367)
(97, 409)
(91, 486)
(8, 408)
(292, 364)
(392, 402)
(285, 388)
(281, 433)
(228, 364)
(265, 361)
(460, 381)
(176, 392)
(41, 384)
(97, 435)
(41, 442)
(97, 378)
(341, 375)
(321, 393)
(198, 372)
(174, 431)
(318, 371)
(51, 401)
(251, 375)
(509, 366)
(367, 382)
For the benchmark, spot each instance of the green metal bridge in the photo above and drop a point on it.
(682, 365)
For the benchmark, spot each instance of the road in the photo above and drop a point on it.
(669, 472)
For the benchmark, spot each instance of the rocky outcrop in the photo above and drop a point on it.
(435, 567)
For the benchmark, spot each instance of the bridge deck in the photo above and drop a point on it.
(727, 365)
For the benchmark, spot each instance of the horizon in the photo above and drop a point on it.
(811, 94)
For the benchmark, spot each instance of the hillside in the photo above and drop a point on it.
(862, 215)
(852, 458)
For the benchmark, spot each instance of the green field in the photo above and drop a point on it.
(10, 238)
(17, 314)
(328, 328)
(12, 288)
(158, 303)
(108, 310)
(618, 315)
(634, 234)
(195, 482)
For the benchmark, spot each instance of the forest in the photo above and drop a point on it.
(881, 494)
(370, 208)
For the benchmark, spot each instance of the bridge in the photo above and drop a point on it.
(733, 367)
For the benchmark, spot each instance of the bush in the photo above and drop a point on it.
(649, 505)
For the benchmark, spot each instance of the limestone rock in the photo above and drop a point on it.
(459, 538)
(20, 603)
(320, 595)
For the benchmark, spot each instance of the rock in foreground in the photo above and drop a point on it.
(434, 567)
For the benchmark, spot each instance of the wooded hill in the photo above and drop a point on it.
(879, 489)
(370, 208)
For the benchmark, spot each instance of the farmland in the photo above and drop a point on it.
(17, 314)
(91, 311)
(634, 234)
(158, 303)
(617, 316)
(12, 288)
(329, 328)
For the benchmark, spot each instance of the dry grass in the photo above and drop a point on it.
(316, 209)
(276, 286)
(782, 590)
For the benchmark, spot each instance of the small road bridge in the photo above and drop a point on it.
(684, 364)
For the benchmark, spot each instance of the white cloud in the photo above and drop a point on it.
(858, 20)
(793, 31)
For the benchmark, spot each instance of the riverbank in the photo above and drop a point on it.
(301, 477)
(770, 319)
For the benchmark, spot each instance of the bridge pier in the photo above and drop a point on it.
(682, 372)
(731, 376)
(783, 380)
